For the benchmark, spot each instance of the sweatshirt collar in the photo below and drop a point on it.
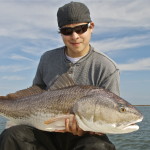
(80, 60)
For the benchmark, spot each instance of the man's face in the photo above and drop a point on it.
(77, 44)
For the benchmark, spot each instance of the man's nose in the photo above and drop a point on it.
(75, 35)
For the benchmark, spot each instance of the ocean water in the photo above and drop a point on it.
(139, 140)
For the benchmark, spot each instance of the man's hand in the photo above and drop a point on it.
(72, 127)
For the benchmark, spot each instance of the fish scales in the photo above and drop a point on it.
(95, 109)
(46, 102)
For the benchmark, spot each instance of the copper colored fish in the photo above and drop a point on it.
(95, 109)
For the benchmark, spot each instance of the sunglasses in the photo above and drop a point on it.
(78, 29)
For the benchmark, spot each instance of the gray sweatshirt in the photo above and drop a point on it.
(93, 69)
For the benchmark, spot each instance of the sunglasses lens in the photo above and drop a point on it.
(78, 29)
(66, 31)
(81, 29)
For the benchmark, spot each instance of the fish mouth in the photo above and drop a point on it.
(133, 125)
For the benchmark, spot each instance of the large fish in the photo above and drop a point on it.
(95, 109)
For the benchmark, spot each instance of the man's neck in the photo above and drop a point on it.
(77, 54)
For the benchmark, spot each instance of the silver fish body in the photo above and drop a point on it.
(95, 109)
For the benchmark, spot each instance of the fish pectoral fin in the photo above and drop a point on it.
(52, 120)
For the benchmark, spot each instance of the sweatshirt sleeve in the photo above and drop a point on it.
(112, 82)
(38, 79)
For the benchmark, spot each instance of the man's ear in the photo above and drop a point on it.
(92, 25)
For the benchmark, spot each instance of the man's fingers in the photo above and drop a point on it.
(74, 126)
(76, 129)
(80, 132)
(67, 125)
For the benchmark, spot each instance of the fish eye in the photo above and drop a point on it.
(122, 109)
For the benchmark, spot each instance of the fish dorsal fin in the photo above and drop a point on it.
(23, 93)
(62, 81)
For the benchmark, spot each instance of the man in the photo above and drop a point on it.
(86, 66)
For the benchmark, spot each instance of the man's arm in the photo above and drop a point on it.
(112, 82)
(38, 79)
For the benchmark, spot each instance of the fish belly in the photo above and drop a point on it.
(45, 122)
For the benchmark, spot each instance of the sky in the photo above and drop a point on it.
(28, 28)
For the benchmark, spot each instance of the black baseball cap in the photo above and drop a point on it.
(73, 12)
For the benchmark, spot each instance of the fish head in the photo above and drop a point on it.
(116, 115)
(106, 112)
